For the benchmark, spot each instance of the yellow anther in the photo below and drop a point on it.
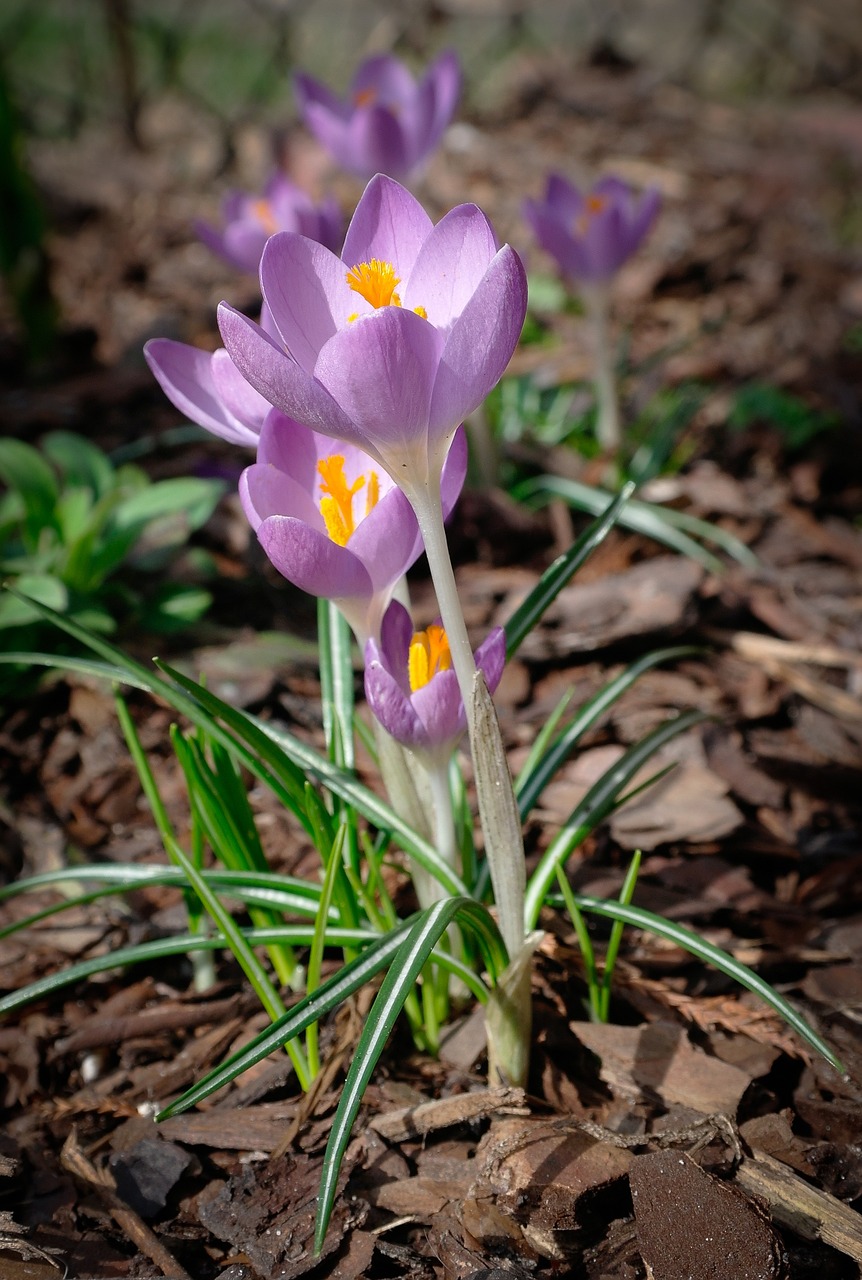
(336, 502)
(429, 653)
(592, 205)
(375, 281)
(262, 210)
(420, 311)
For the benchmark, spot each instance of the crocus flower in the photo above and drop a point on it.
(388, 123)
(390, 346)
(332, 521)
(591, 235)
(411, 685)
(209, 389)
(249, 221)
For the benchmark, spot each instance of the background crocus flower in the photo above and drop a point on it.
(332, 521)
(411, 686)
(209, 389)
(248, 222)
(392, 345)
(591, 235)
(387, 123)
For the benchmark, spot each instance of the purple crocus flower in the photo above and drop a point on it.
(209, 389)
(249, 221)
(390, 346)
(412, 688)
(332, 522)
(388, 123)
(591, 235)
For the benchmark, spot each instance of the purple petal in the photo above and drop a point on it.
(563, 198)
(444, 75)
(389, 224)
(376, 142)
(310, 92)
(385, 76)
(185, 375)
(305, 288)
(291, 448)
(280, 380)
(451, 264)
(388, 541)
(238, 396)
(391, 705)
(312, 561)
(440, 709)
(480, 343)
(491, 657)
(243, 244)
(380, 371)
(454, 472)
(330, 128)
(396, 632)
(266, 492)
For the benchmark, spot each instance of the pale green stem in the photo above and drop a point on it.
(608, 431)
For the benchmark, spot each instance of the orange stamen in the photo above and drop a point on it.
(429, 653)
(375, 281)
(262, 210)
(592, 205)
(364, 97)
(336, 503)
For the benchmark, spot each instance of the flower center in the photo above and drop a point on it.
(592, 205)
(262, 210)
(336, 502)
(429, 653)
(364, 97)
(375, 281)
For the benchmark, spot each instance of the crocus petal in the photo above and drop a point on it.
(389, 224)
(382, 540)
(376, 142)
(454, 472)
(380, 371)
(444, 75)
(491, 657)
(312, 561)
(481, 342)
(243, 244)
(440, 709)
(396, 632)
(238, 396)
(563, 198)
(386, 76)
(281, 381)
(265, 491)
(451, 264)
(310, 92)
(292, 448)
(185, 375)
(305, 287)
(391, 705)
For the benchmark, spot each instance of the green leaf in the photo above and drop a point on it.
(17, 611)
(192, 498)
(79, 462)
(23, 469)
(698, 946)
(561, 572)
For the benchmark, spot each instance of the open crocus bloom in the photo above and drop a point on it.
(249, 221)
(591, 235)
(209, 389)
(387, 123)
(411, 686)
(390, 346)
(332, 521)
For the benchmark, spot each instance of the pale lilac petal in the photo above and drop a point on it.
(185, 375)
(383, 541)
(391, 705)
(309, 91)
(386, 76)
(281, 381)
(555, 237)
(491, 657)
(389, 224)
(444, 75)
(292, 448)
(265, 491)
(605, 244)
(330, 129)
(451, 264)
(312, 561)
(440, 709)
(480, 343)
(396, 632)
(376, 142)
(564, 198)
(305, 288)
(243, 244)
(380, 370)
(238, 396)
(213, 238)
(454, 472)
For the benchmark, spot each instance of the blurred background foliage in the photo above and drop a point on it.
(74, 63)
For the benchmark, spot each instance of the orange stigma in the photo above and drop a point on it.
(364, 97)
(592, 205)
(429, 653)
(262, 210)
(336, 502)
(375, 281)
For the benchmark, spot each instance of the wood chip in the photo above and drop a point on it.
(443, 1113)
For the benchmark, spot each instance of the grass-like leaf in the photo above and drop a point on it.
(721, 960)
(557, 575)
(409, 961)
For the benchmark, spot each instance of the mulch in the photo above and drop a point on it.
(692, 1136)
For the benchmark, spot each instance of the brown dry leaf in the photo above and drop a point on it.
(658, 1060)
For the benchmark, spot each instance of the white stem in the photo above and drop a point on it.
(608, 431)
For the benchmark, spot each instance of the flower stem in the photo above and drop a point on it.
(608, 431)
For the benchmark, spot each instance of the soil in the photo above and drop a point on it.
(694, 1135)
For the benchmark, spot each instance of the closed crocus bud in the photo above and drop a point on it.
(412, 688)
(332, 521)
(388, 123)
(248, 221)
(591, 235)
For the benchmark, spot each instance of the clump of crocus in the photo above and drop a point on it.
(590, 235)
(411, 686)
(248, 221)
(332, 521)
(209, 389)
(388, 123)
